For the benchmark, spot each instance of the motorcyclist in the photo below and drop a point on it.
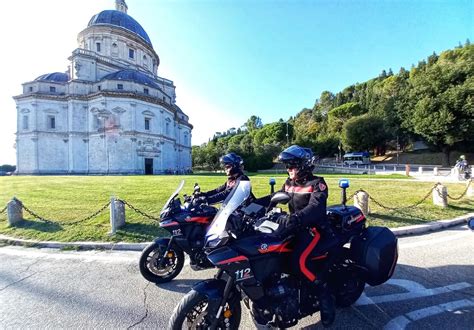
(308, 221)
(233, 167)
(461, 163)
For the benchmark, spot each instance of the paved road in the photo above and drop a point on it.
(433, 287)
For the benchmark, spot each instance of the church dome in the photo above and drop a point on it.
(132, 75)
(120, 19)
(54, 77)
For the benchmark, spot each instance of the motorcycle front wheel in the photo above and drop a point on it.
(191, 313)
(157, 267)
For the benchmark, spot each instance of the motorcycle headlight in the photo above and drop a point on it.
(215, 241)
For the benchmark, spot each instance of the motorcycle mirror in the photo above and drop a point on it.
(470, 224)
(280, 198)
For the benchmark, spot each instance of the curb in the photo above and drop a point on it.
(431, 226)
(123, 246)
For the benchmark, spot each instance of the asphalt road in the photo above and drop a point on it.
(433, 287)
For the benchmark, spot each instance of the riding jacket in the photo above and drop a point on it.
(220, 193)
(308, 200)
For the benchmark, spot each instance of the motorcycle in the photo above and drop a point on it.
(253, 266)
(163, 260)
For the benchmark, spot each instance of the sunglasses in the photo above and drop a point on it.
(227, 166)
(291, 166)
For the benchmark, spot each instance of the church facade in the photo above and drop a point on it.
(110, 113)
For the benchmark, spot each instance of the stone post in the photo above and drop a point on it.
(435, 171)
(455, 172)
(117, 215)
(420, 170)
(470, 190)
(14, 212)
(407, 170)
(440, 196)
(361, 201)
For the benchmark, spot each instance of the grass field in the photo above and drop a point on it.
(66, 199)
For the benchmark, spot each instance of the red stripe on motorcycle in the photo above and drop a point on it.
(296, 189)
(281, 248)
(360, 218)
(235, 259)
(320, 257)
(199, 219)
(305, 254)
(169, 224)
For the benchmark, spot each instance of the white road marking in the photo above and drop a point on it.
(400, 322)
(85, 256)
(435, 240)
(415, 290)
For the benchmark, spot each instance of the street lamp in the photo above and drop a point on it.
(287, 135)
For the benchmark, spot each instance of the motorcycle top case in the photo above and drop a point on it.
(377, 250)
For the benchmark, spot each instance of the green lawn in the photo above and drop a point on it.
(66, 199)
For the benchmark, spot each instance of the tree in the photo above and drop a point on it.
(253, 123)
(363, 133)
(442, 102)
(341, 114)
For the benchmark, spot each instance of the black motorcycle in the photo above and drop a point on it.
(162, 260)
(253, 266)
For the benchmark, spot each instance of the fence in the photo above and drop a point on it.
(15, 207)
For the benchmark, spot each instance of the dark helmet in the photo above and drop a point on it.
(234, 160)
(301, 158)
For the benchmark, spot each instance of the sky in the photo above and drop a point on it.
(230, 60)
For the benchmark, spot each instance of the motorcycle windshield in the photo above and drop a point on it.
(237, 196)
(173, 195)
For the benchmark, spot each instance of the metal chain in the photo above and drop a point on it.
(4, 209)
(37, 217)
(138, 211)
(393, 208)
(93, 215)
(463, 194)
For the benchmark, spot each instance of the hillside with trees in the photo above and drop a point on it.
(432, 102)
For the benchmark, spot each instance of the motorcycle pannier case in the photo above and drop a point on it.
(377, 250)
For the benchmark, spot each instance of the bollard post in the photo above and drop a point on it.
(470, 190)
(14, 211)
(407, 170)
(435, 171)
(440, 196)
(394, 168)
(361, 201)
(117, 215)
(420, 170)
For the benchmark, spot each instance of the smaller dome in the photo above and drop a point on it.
(132, 75)
(54, 77)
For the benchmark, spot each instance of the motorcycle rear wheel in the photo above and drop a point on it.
(191, 313)
(348, 287)
(155, 268)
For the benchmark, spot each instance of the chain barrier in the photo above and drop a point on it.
(4, 209)
(393, 208)
(37, 217)
(463, 194)
(138, 211)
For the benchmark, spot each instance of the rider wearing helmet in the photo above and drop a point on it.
(233, 167)
(308, 221)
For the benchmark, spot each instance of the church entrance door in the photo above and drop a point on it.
(148, 165)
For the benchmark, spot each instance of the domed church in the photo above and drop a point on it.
(109, 113)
